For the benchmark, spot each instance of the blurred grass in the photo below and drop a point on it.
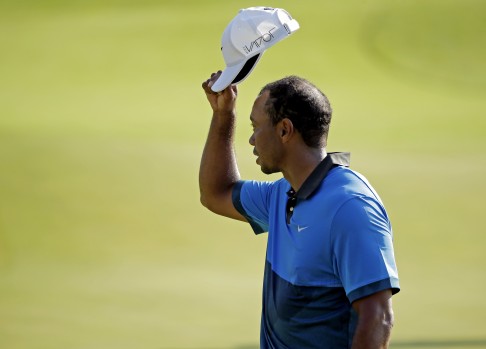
(103, 242)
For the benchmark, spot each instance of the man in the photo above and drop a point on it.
(330, 271)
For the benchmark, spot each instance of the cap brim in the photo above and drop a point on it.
(236, 73)
(227, 77)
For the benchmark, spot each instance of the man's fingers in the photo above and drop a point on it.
(206, 85)
(214, 77)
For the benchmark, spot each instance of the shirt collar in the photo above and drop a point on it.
(315, 178)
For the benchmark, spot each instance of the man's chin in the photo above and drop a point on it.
(268, 170)
(265, 169)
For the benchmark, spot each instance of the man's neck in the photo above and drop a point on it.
(301, 164)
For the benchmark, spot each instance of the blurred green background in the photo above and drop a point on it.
(103, 242)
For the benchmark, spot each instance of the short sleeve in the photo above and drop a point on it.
(252, 200)
(362, 243)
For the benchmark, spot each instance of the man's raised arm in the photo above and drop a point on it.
(218, 171)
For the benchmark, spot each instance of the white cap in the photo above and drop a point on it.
(247, 36)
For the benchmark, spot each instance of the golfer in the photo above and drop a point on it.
(330, 270)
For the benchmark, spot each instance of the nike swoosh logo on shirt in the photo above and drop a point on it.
(299, 228)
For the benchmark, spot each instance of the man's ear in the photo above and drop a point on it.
(286, 130)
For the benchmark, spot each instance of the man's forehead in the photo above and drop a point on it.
(259, 105)
(263, 96)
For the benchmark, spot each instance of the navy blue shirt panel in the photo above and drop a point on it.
(304, 316)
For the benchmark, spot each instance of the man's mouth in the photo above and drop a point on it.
(256, 154)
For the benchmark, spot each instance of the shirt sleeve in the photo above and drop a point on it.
(362, 244)
(252, 200)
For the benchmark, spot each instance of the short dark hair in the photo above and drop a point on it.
(304, 104)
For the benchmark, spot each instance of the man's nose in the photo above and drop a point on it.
(252, 139)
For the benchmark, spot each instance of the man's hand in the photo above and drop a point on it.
(221, 102)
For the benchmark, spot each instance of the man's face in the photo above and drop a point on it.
(266, 143)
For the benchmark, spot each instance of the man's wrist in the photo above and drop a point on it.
(224, 114)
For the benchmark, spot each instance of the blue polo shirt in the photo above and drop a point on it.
(329, 244)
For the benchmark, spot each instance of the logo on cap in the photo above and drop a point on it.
(267, 37)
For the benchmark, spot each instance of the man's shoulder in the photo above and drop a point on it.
(278, 184)
(346, 179)
(267, 190)
(342, 184)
